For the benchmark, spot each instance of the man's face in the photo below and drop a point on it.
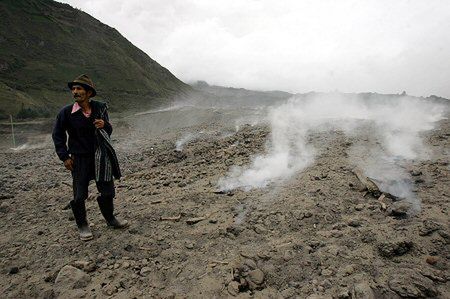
(80, 94)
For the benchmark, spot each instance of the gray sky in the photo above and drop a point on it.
(293, 45)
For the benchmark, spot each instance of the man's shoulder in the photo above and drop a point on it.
(99, 108)
(65, 109)
(99, 104)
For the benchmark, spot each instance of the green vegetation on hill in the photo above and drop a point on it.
(44, 44)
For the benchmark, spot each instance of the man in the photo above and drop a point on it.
(88, 153)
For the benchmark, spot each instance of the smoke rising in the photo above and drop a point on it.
(179, 144)
(396, 123)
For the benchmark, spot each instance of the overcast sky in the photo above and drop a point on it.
(293, 45)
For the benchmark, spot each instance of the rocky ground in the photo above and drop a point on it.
(318, 235)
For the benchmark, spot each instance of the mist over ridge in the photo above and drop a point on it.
(295, 46)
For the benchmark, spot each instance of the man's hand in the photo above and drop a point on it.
(69, 164)
(99, 123)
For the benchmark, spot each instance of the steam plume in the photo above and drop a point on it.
(398, 123)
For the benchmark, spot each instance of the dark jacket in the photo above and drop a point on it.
(80, 129)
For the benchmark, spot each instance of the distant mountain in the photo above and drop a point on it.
(218, 95)
(240, 96)
(44, 44)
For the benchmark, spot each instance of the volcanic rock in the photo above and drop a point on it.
(399, 209)
(428, 227)
(86, 266)
(432, 260)
(109, 289)
(195, 220)
(355, 222)
(71, 278)
(394, 248)
(256, 276)
(13, 270)
(145, 270)
(316, 296)
(416, 172)
(4, 207)
(362, 291)
(250, 263)
(408, 283)
(233, 288)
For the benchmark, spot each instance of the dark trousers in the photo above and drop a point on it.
(83, 172)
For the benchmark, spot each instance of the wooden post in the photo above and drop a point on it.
(12, 131)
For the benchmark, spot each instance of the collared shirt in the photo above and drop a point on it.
(77, 107)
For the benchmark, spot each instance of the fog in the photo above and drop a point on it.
(296, 46)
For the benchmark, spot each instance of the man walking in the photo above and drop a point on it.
(87, 153)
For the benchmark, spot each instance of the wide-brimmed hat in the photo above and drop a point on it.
(84, 81)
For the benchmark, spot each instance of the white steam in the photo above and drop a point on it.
(398, 123)
(38, 141)
(179, 144)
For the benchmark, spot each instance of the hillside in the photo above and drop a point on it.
(44, 44)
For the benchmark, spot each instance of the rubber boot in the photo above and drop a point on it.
(79, 212)
(107, 208)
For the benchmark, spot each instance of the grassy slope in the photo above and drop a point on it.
(44, 44)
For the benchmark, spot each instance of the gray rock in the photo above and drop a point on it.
(316, 296)
(288, 293)
(428, 227)
(250, 263)
(109, 290)
(86, 266)
(437, 276)
(399, 209)
(13, 270)
(259, 229)
(256, 276)
(192, 221)
(416, 172)
(71, 278)
(445, 235)
(233, 288)
(362, 291)
(344, 294)
(408, 283)
(145, 270)
(355, 222)
(394, 248)
(326, 272)
(326, 284)
(4, 207)
(359, 207)
(347, 270)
